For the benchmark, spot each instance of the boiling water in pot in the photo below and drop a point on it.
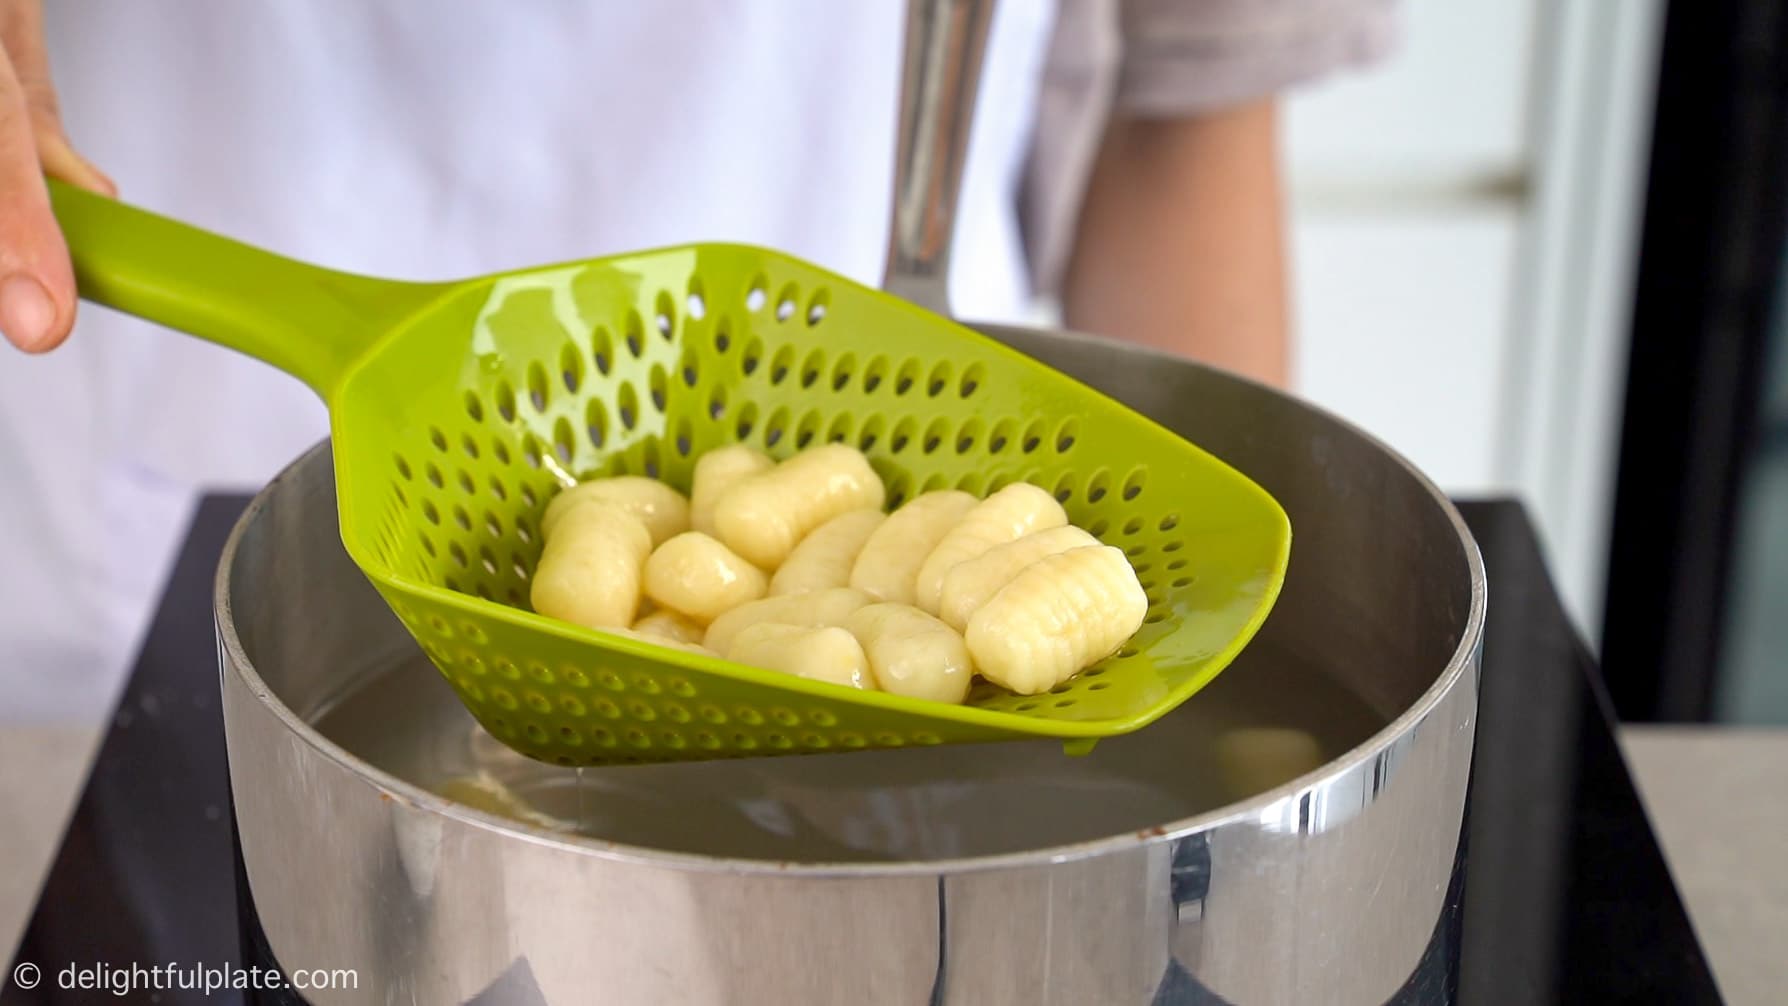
(1258, 725)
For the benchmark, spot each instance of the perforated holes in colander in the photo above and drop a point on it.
(602, 350)
(596, 422)
(633, 334)
(695, 302)
(807, 428)
(664, 318)
(745, 422)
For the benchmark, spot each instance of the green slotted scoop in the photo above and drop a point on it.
(457, 409)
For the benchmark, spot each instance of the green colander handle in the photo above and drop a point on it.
(308, 321)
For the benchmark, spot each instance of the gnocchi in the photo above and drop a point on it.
(911, 653)
(794, 566)
(764, 516)
(656, 640)
(589, 571)
(826, 653)
(825, 557)
(666, 624)
(699, 577)
(888, 566)
(716, 472)
(969, 584)
(1013, 512)
(662, 509)
(1060, 614)
(812, 609)
(1256, 759)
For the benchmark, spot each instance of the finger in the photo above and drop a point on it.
(22, 34)
(61, 160)
(37, 294)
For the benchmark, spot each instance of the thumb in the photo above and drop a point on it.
(37, 291)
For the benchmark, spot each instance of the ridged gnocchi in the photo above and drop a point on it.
(764, 516)
(814, 608)
(1060, 614)
(825, 557)
(662, 509)
(589, 571)
(1013, 512)
(716, 472)
(969, 584)
(888, 567)
(696, 576)
(826, 653)
(911, 653)
(794, 566)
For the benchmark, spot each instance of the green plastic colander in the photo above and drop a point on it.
(458, 409)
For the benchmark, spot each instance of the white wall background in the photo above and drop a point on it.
(1465, 230)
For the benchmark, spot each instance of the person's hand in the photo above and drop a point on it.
(37, 291)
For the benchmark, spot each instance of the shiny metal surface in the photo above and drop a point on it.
(1324, 889)
(945, 43)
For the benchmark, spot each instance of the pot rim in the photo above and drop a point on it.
(421, 799)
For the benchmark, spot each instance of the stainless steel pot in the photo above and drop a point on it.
(1289, 835)
(1324, 889)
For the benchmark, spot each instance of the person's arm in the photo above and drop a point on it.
(37, 290)
(1181, 240)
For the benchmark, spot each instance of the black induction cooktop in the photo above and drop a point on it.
(1564, 898)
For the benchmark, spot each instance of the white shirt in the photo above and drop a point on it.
(426, 140)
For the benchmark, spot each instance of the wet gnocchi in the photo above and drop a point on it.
(662, 509)
(589, 571)
(911, 653)
(825, 557)
(969, 584)
(888, 567)
(700, 578)
(716, 472)
(1060, 614)
(764, 516)
(1007, 515)
(794, 567)
(824, 653)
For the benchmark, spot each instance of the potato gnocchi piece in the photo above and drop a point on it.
(646, 637)
(888, 567)
(970, 583)
(824, 558)
(827, 653)
(699, 577)
(667, 624)
(589, 572)
(764, 516)
(716, 472)
(1256, 759)
(812, 609)
(662, 509)
(1059, 615)
(1013, 512)
(911, 653)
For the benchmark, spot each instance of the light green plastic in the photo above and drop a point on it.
(457, 407)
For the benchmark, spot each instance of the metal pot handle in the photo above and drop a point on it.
(945, 42)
